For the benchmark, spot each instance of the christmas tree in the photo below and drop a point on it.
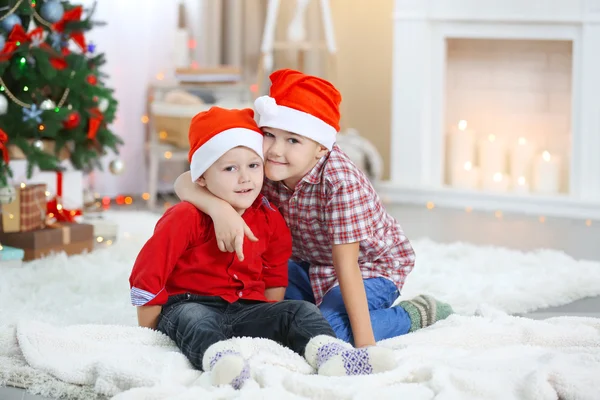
(53, 102)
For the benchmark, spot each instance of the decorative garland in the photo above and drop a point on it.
(42, 21)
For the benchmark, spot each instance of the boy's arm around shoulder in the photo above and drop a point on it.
(276, 255)
(173, 233)
(230, 228)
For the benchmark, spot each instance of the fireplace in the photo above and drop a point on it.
(508, 115)
(496, 105)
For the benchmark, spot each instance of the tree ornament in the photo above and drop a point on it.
(116, 167)
(32, 113)
(3, 104)
(91, 48)
(8, 194)
(103, 104)
(38, 144)
(52, 11)
(48, 105)
(72, 120)
(91, 79)
(9, 22)
(2, 42)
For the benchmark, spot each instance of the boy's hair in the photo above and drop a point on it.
(302, 104)
(218, 130)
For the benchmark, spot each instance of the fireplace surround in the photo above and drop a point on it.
(546, 51)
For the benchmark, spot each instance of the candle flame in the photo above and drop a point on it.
(521, 180)
(546, 156)
(462, 124)
(498, 177)
(492, 138)
(468, 166)
(522, 141)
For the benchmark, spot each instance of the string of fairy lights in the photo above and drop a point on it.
(430, 205)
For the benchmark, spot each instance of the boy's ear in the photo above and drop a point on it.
(201, 181)
(321, 151)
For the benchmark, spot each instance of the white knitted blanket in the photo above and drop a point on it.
(491, 356)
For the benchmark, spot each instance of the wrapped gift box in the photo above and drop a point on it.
(67, 184)
(71, 189)
(72, 238)
(104, 228)
(11, 256)
(27, 212)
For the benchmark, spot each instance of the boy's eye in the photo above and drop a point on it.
(293, 141)
(254, 165)
(268, 134)
(229, 169)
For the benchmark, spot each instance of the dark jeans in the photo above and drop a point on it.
(195, 323)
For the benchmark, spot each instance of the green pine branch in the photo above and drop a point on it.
(33, 76)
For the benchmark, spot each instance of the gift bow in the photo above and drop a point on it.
(3, 148)
(18, 35)
(54, 207)
(73, 15)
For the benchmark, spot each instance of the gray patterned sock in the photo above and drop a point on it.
(332, 357)
(424, 310)
(228, 367)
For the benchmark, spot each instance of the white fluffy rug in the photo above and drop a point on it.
(55, 306)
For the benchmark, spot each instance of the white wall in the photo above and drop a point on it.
(137, 43)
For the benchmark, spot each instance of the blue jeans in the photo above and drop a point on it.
(195, 323)
(387, 321)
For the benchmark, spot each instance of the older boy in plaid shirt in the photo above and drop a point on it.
(349, 256)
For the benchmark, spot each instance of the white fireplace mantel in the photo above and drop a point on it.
(418, 96)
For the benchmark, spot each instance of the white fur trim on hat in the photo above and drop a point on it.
(289, 119)
(221, 143)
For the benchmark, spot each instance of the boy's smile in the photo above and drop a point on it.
(236, 177)
(289, 157)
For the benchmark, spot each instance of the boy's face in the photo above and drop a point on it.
(236, 177)
(289, 157)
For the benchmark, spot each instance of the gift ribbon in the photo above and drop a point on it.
(73, 15)
(95, 121)
(3, 148)
(55, 206)
(18, 35)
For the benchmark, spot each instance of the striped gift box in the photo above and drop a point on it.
(33, 207)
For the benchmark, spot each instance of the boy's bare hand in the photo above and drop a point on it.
(230, 230)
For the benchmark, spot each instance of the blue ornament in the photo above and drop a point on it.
(57, 41)
(33, 113)
(2, 42)
(9, 22)
(52, 11)
(91, 47)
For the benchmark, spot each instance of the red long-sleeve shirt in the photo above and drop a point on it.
(182, 256)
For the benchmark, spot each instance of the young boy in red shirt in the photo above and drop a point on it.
(185, 287)
(350, 257)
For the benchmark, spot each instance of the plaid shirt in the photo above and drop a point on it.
(336, 204)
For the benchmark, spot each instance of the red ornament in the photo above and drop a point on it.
(91, 79)
(72, 120)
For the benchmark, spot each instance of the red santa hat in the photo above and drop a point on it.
(302, 104)
(218, 130)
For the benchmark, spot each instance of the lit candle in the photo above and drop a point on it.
(546, 173)
(492, 155)
(461, 147)
(521, 156)
(466, 176)
(496, 182)
(520, 185)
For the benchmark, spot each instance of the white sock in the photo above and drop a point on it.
(332, 357)
(226, 365)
